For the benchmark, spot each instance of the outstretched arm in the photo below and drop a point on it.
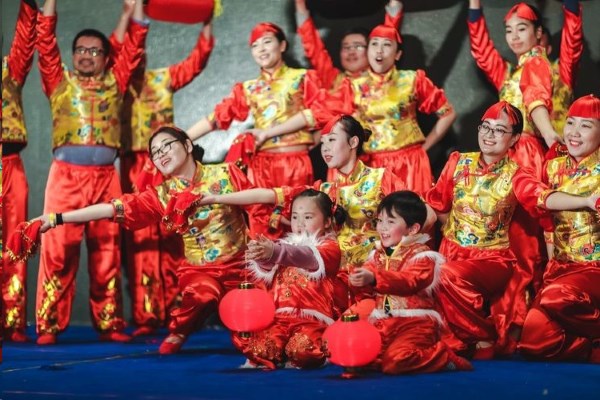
(91, 213)
(561, 201)
(242, 198)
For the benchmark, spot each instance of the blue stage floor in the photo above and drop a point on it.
(80, 367)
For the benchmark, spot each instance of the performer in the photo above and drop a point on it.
(403, 272)
(85, 105)
(214, 237)
(153, 254)
(353, 47)
(299, 271)
(563, 323)
(15, 68)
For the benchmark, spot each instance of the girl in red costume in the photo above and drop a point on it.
(403, 274)
(214, 237)
(299, 270)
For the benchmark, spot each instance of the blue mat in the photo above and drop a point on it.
(80, 367)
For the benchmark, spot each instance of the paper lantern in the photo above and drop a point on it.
(351, 342)
(182, 11)
(247, 309)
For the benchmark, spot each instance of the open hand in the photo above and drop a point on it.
(260, 249)
(361, 277)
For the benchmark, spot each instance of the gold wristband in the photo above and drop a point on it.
(52, 220)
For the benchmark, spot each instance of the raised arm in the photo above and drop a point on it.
(394, 14)
(185, 71)
(20, 57)
(118, 35)
(49, 61)
(571, 43)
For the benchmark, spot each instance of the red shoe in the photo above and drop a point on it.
(144, 331)
(115, 336)
(17, 337)
(46, 338)
(457, 363)
(172, 344)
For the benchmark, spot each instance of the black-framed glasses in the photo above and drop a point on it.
(92, 51)
(355, 47)
(164, 149)
(485, 129)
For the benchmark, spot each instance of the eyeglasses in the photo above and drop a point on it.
(355, 47)
(164, 149)
(92, 51)
(484, 129)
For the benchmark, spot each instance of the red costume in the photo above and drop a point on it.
(15, 68)
(153, 254)
(303, 301)
(404, 311)
(85, 112)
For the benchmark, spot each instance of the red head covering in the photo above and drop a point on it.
(494, 112)
(386, 31)
(585, 107)
(261, 29)
(329, 126)
(523, 10)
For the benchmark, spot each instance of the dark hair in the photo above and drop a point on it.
(93, 33)
(517, 127)
(353, 128)
(181, 136)
(325, 204)
(279, 33)
(538, 16)
(357, 30)
(407, 205)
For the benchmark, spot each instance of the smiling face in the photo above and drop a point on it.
(337, 149)
(495, 137)
(168, 154)
(521, 34)
(307, 217)
(353, 53)
(383, 54)
(582, 136)
(268, 51)
(391, 228)
(87, 64)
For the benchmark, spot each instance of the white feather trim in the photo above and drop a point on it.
(421, 238)
(305, 313)
(417, 312)
(261, 274)
(311, 241)
(437, 269)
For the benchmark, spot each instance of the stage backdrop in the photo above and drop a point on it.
(435, 39)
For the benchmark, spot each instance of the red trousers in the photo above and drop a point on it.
(290, 338)
(565, 317)
(410, 164)
(70, 187)
(14, 211)
(153, 256)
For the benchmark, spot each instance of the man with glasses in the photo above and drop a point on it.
(86, 105)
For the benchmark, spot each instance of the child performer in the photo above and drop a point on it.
(564, 322)
(404, 274)
(299, 270)
(214, 237)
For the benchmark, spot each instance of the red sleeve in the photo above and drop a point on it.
(130, 54)
(332, 257)
(396, 21)
(536, 84)
(487, 57)
(327, 105)
(182, 73)
(115, 45)
(20, 57)
(139, 209)
(232, 107)
(531, 194)
(431, 99)
(49, 61)
(391, 183)
(441, 196)
(571, 46)
(317, 54)
(415, 276)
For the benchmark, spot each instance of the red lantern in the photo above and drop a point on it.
(247, 309)
(351, 342)
(182, 11)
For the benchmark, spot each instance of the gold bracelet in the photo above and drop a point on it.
(52, 220)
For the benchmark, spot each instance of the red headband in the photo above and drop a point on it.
(494, 112)
(386, 31)
(585, 107)
(523, 10)
(329, 125)
(261, 29)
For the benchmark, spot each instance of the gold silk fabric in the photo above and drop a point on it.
(86, 111)
(562, 97)
(152, 107)
(386, 105)
(217, 232)
(273, 99)
(511, 90)
(483, 205)
(359, 193)
(576, 233)
(13, 121)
